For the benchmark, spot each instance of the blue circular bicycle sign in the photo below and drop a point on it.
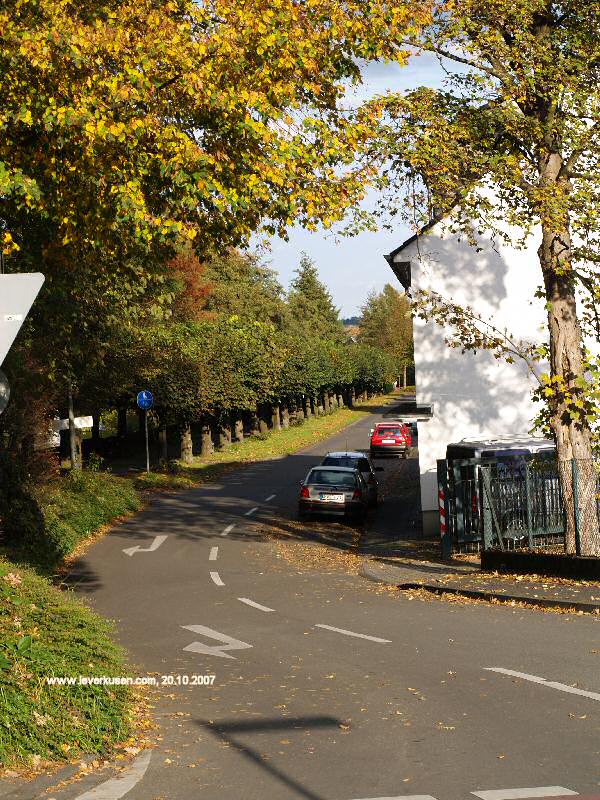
(145, 400)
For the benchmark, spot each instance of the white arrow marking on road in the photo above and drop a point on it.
(158, 540)
(522, 794)
(214, 552)
(562, 687)
(252, 510)
(254, 605)
(228, 529)
(270, 497)
(229, 643)
(351, 633)
(117, 787)
(216, 578)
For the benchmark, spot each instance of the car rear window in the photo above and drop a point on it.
(330, 478)
(396, 431)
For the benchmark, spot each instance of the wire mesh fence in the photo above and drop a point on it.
(522, 503)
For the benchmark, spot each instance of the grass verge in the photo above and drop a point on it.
(44, 632)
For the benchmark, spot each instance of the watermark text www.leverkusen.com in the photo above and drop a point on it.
(126, 680)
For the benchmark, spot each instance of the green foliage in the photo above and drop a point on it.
(387, 324)
(45, 632)
(311, 307)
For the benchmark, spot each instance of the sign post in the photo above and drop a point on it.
(145, 401)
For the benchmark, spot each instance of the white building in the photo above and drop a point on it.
(472, 395)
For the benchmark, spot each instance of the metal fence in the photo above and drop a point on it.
(519, 502)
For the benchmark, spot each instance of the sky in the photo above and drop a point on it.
(351, 267)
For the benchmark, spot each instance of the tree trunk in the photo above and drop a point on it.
(285, 415)
(275, 420)
(163, 444)
(96, 432)
(325, 403)
(207, 446)
(121, 423)
(351, 396)
(340, 399)
(300, 410)
(187, 455)
(238, 428)
(263, 419)
(253, 423)
(224, 433)
(573, 438)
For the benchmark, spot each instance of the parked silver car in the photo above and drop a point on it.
(339, 491)
(360, 461)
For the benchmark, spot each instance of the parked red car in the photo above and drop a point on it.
(391, 438)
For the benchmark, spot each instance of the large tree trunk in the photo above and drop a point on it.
(573, 439)
(187, 455)
(163, 443)
(238, 427)
(285, 415)
(207, 446)
(275, 420)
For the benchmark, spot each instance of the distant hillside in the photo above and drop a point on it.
(352, 321)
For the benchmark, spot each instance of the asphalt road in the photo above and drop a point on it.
(327, 687)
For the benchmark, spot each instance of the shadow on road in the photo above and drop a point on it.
(229, 732)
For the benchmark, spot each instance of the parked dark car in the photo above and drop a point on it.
(337, 491)
(360, 461)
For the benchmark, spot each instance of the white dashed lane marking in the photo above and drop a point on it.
(561, 687)
(252, 510)
(214, 552)
(216, 578)
(270, 497)
(523, 794)
(351, 633)
(249, 602)
(228, 529)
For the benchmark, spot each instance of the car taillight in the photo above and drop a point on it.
(304, 492)
(357, 495)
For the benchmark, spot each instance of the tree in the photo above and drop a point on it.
(387, 324)
(311, 306)
(514, 140)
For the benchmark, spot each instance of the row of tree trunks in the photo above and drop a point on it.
(236, 426)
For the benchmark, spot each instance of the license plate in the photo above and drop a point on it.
(332, 498)
(388, 441)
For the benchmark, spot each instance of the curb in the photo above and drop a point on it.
(482, 594)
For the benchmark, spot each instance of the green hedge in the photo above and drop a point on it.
(44, 523)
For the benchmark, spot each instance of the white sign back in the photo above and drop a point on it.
(17, 293)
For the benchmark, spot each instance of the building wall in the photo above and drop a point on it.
(474, 396)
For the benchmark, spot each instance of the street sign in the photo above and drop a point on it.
(17, 293)
(4, 391)
(145, 400)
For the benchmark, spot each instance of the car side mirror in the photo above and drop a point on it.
(372, 429)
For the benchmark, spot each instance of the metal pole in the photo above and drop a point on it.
(147, 446)
(72, 442)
